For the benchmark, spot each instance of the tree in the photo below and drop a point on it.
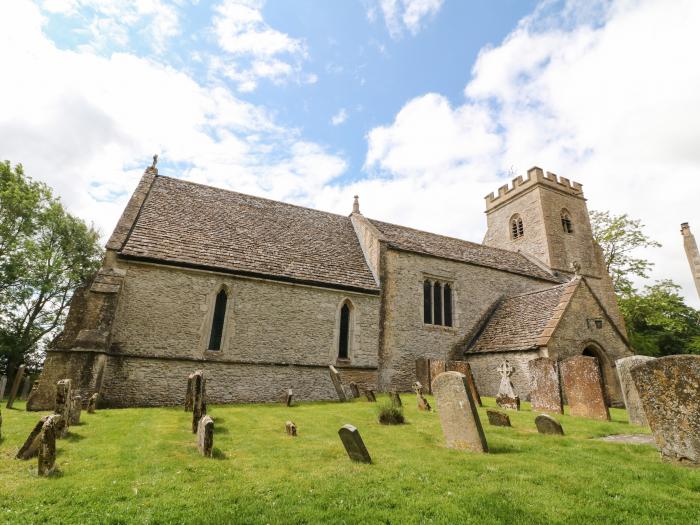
(619, 236)
(45, 253)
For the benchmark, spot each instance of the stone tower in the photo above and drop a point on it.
(691, 250)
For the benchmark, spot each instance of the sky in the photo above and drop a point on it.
(420, 107)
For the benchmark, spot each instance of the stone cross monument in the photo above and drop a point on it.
(691, 250)
(507, 398)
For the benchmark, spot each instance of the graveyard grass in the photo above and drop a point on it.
(142, 466)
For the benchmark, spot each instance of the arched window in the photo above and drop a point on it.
(566, 222)
(516, 227)
(437, 303)
(217, 322)
(448, 305)
(344, 332)
(427, 302)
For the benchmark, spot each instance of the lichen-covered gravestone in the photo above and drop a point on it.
(31, 445)
(354, 390)
(15, 386)
(370, 395)
(291, 428)
(188, 393)
(76, 408)
(437, 367)
(205, 436)
(458, 416)
(507, 398)
(583, 388)
(498, 419)
(47, 445)
(354, 446)
(669, 388)
(92, 403)
(545, 393)
(548, 425)
(337, 383)
(395, 399)
(199, 405)
(64, 401)
(463, 367)
(630, 395)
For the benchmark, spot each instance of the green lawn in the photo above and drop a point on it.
(142, 466)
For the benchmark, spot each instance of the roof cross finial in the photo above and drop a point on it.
(152, 168)
(356, 205)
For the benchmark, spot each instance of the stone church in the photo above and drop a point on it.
(264, 295)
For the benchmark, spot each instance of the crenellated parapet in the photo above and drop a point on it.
(535, 176)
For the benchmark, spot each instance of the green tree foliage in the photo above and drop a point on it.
(45, 253)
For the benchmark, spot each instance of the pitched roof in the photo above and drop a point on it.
(525, 321)
(418, 241)
(184, 223)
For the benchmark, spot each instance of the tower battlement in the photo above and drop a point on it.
(535, 176)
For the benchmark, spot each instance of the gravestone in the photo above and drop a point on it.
(498, 419)
(458, 416)
(548, 425)
(64, 398)
(288, 398)
(31, 445)
(354, 390)
(199, 405)
(337, 383)
(423, 371)
(507, 398)
(395, 398)
(189, 392)
(584, 388)
(423, 404)
(15, 386)
(545, 393)
(47, 445)
(291, 428)
(76, 408)
(370, 395)
(635, 412)
(3, 384)
(354, 446)
(437, 367)
(25, 388)
(463, 367)
(669, 388)
(205, 436)
(92, 403)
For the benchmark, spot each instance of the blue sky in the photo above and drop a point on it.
(421, 107)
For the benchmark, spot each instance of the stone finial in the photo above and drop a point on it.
(685, 228)
(356, 205)
(152, 168)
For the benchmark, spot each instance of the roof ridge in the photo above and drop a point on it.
(531, 292)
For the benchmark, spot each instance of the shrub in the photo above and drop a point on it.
(391, 415)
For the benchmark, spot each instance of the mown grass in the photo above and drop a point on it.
(142, 466)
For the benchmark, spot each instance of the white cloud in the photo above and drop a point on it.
(400, 15)
(91, 133)
(607, 96)
(340, 117)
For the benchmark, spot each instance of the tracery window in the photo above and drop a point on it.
(517, 229)
(217, 322)
(437, 303)
(566, 223)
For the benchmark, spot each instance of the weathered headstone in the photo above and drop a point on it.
(354, 390)
(291, 428)
(64, 398)
(76, 408)
(92, 403)
(31, 445)
(463, 367)
(25, 387)
(199, 405)
(548, 425)
(437, 367)
(47, 445)
(354, 446)
(423, 404)
(423, 371)
(3, 385)
(498, 419)
(635, 412)
(584, 388)
(669, 388)
(189, 393)
(289, 397)
(458, 416)
(15, 386)
(205, 436)
(545, 393)
(507, 398)
(369, 393)
(395, 398)
(337, 383)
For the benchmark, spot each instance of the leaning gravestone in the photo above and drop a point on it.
(76, 408)
(498, 419)
(188, 393)
(64, 398)
(635, 412)
(545, 395)
(583, 387)
(354, 446)
(92, 403)
(199, 405)
(458, 415)
(669, 388)
(15, 386)
(337, 383)
(507, 398)
(31, 445)
(291, 428)
(47, 445)
(463, 367)
(289, 397)
(205, 436)
(395, 399)
(354, 390)
(3, 384)
(370, 395)
(548, 425)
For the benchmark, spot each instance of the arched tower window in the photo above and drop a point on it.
(516, 227)
(217, 323)
(344, 332)
(566, 222)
